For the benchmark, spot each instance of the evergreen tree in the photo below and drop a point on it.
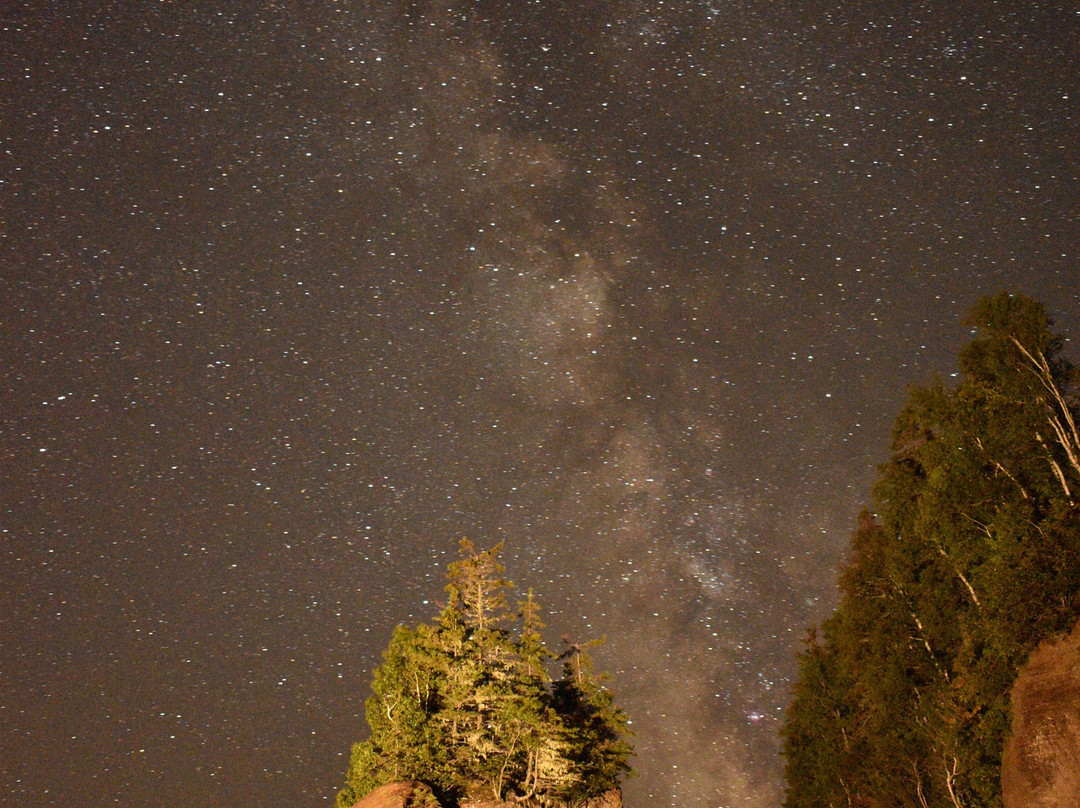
(597, 728)
(972, 558)
(822, 726)
(476, 588)
(481, 679)
(406, 742)
(468, 706)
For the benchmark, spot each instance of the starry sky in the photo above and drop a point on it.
(296, 295)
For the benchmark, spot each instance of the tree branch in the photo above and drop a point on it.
(950, 778)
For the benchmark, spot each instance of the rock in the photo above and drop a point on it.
(415, 794)
(1040, 766)
(609, 799)
(471, 803)
(406, 794)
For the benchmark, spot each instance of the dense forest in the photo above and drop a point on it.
(468, 705)
(970, 558)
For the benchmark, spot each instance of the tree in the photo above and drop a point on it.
(821, 736)
(476, 588)
(468, 705)
(597, 729)
(406, 741)
(971, 558)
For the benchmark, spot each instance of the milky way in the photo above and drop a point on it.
(296, 295)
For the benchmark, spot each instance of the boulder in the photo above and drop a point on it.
(1041, 761)
(406, 794)
(415, 794)
(609, 799)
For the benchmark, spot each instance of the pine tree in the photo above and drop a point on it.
(468, 705)
(406, 741)
(597, 728)
(476, 588)
(821, 735)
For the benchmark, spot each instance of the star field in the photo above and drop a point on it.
(294, 296)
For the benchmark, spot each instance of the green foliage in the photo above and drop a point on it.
(363, 775)
(468, 705)
(972, 558)
(596, 727)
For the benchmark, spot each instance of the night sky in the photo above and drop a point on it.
(296, 295)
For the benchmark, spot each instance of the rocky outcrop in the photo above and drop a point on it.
(407, 794)
(415, 794)
(1041, 762)
(609, 799)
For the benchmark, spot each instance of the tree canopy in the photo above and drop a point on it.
(971, 557)
(467, 704)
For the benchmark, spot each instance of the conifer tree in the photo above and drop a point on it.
(468, 706)
(406, 743)
(597, 727)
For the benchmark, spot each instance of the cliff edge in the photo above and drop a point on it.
(1040, 766)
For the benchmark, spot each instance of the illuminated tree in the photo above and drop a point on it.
(468, 705)
(972, 557)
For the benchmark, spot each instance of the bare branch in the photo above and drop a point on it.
(961, 576)
(918, 785)
(950, 779)
(1057, 469)
(1067, 434)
